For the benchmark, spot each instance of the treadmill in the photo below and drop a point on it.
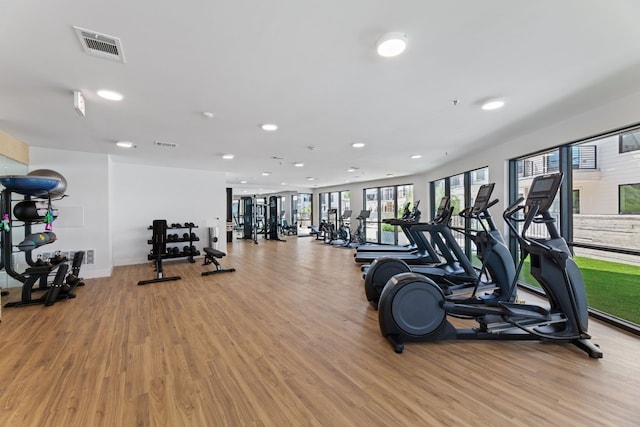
(408, 217)
(424, 252)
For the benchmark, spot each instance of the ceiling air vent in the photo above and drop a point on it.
(164, 144)
(100, 45)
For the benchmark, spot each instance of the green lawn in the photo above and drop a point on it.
(611, 287)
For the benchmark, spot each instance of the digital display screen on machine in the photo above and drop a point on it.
(483, 196)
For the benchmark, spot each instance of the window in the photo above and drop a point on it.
(629, 142)
(405, 195)
(461, 190)
(388, 211)
(629, 196)
(552, 162)
(584, 157)
(543, 163)
(601, 225)
(371, 204)
(303, 211)
(345, 200)
(439, 191)
(334, 201)
(384, 203)
(324, 206)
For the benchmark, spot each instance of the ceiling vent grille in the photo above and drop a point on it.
(100, 45)
(165, 144)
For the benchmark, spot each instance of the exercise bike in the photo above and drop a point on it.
(413, 307)
(359, 238)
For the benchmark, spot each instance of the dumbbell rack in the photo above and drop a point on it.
(174, 251)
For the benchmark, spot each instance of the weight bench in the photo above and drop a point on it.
(317, 231)
(210, 257)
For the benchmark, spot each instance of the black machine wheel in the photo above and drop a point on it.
(411, 307)
(378, 274)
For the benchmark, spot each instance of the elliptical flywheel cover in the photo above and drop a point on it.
(417, 307)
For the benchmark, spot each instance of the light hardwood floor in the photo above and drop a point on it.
(286, 340)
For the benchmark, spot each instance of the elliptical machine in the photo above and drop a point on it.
(456, 274)
(414, 308)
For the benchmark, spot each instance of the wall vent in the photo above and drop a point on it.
(165, 144)
(100, 45)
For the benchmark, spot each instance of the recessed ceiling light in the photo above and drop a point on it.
(266, 173)
(391, 44)
(207, 114)
(283, 183)
(416, 156)
(298, 164)
(351, 170)
(311, 178)
(244, 181)
(493, 104)
(110, 95)
(358, 144)
(124, 144)
(227, 156)
(270, 127)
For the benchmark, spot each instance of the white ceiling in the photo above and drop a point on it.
(310, 67)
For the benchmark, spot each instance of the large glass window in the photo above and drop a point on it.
(385, 203)
(525, 179)
(345, 200)
(439, 191)
(599, 215)
(303, 212)
(371, 204)
(458, 197)
(388, 211)
(324, 206)
(404, 194)
(461, 189)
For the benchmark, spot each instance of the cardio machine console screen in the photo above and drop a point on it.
(483, 196)
(543, 190)
(444, 205)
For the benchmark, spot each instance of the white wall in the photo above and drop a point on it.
(83, 220)
(141, 194)
(110, 205)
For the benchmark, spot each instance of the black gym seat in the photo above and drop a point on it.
(210, 257)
